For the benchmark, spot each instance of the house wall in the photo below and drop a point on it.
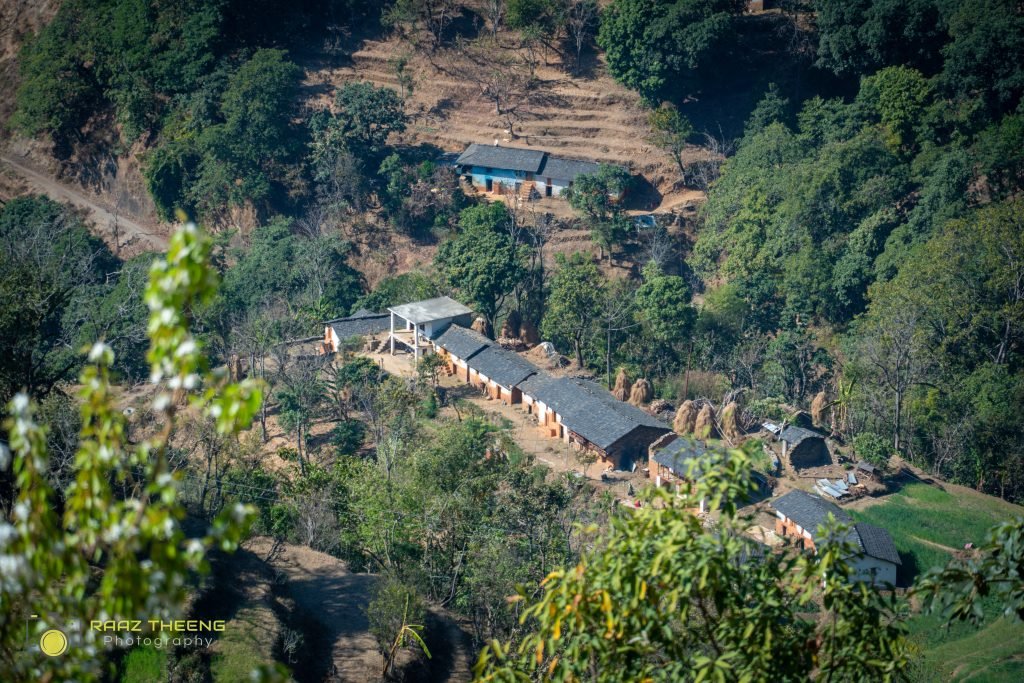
(784, 526)
(873, 570)
(479, 176)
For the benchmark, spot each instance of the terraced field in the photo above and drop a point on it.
(588, 118)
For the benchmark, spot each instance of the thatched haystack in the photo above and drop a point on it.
(659, 406)
(818, 407)
(528, 333)
(730, 421)
(622, 385)
(511, 328)
(479, 325)
(704, 427)
(685, 418)
(642, 392)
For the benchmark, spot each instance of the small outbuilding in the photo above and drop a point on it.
(421, 321)
(673, 461)
(362, 323)
(804, 448)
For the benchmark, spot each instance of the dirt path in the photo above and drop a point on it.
(135, 237)
(323, 587)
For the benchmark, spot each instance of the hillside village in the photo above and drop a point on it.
(495, 340)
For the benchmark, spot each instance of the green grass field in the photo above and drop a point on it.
(927, 524)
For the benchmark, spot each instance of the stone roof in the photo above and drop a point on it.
(678, 454)
(360, 324)
(502, 366)
(809, 511)
(462, 342)
(588, 410)
(567, 169)
(795, 435)
(440, 308)
(494, 156)
(877, 543)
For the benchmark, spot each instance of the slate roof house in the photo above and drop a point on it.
(517, 171)
(579, 412)
(804, 448)
(673, 459)
(800, 514)
(362, 323)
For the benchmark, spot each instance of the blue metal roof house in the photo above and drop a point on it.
(519, 172)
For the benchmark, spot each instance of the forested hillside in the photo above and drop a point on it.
(808, 214)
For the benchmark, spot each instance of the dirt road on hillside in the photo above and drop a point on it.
(324, 588)
(134, 238)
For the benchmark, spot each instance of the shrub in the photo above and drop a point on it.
(873, 448)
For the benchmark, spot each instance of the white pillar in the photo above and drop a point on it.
(392, 335)
(416, 343)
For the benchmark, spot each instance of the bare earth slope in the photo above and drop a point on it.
(587, 117)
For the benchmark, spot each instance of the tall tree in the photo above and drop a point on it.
(577, 290)
(481, 262)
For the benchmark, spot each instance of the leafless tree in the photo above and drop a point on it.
(494, 10)
(893, 348)
(659, 246)
(704, 171)
(316, 524)
(580, 23)
(615, 315)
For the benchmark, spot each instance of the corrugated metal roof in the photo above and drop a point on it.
(494, 156)
(503, 366)
(462, 342)
(428, 310)
(877, 542)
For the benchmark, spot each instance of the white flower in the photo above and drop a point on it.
(6, 533)
(21, 511)
(195, 547)
(186, 348)
(238, 512)
(5, 457)
(191, 381)
(20, 403)
(161, 402)
(98, 352)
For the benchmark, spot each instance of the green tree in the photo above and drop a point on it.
(112, 547)
(396, 616)
(663, 307)
(656, 46)
(363, 119)
(596, 196)
(51, 271)
(671, 131)
(577, 290)
(248, 153)
(662, 598)
(481, 262)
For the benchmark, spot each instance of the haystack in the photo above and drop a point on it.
(528, 333)
(685, 418)
(622, 384)
(510, 329)
(480, 325)
(730, 421)
(642, 392)
(704, 427)
(818, 407)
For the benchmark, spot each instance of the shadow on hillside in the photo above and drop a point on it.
(763, 55)
(642, 196)
(444, 639)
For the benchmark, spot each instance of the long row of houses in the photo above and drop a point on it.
(587, 417)
(577, 411)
